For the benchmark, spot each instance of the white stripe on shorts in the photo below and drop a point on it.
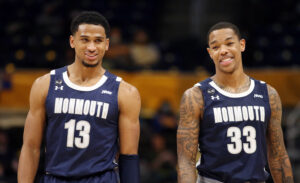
(202, 179)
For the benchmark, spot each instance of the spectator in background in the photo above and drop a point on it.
(14, 168)
(163, 161)
(2, 172)
(165, 118)
(165, 122)
(118, 53)
(145, 55)
(5, 156)
(50, 20)
(5, 81)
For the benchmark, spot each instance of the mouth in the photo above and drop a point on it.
(91, 56)
(226, 61)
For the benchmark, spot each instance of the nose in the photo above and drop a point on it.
(223, 50)
(91, 46)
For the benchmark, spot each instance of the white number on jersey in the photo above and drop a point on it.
(84, 128)
(237, 145)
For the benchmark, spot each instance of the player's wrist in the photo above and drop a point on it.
(129, 168)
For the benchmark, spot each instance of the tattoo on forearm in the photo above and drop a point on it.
(279, 162)
(187, 135)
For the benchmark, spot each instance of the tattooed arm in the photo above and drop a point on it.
(278, 159)
(191, 108)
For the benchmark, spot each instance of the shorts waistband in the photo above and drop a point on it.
(202, 179)
(78, 177)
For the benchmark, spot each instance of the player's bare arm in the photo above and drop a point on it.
(33, 131)
(129, 125)
(129, 133)
(191, 108)
(278, 159)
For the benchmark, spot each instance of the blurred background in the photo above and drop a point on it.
(160, 47)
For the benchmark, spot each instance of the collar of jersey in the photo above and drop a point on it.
(233, 95)
(84, 88)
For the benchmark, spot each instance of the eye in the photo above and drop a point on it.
(215, 47)
(98, 40)
(84, 40)
(230, 43)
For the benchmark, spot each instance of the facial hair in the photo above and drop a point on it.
(89, 65)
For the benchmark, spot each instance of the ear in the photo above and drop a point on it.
(208, 50)
(107, 44)
(71, 40)
(243, 45)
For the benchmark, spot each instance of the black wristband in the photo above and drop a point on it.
(129, 168)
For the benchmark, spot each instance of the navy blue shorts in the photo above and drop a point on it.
(106, 177)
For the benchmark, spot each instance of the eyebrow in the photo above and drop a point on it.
(225, 40)
(228, 38)
(84, 36)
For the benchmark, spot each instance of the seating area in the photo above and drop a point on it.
(36, 35)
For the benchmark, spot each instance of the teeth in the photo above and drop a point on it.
(227, 59)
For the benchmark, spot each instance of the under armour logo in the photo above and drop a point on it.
(106, 92)
(59, 87)
(215, 97)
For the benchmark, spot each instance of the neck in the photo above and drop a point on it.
(83, 73)
(232, 82)
(230, 79)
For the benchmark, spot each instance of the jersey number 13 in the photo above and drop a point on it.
(83, 127)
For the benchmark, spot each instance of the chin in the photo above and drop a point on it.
(86, 64)
(227, 70)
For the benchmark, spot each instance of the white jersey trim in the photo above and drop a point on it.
(119, 79)
(197, 85)
(83, 88)
(233, 95)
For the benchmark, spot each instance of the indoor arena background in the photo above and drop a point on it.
(34, 39)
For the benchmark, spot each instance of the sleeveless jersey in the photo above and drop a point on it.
(81, 135)
(232, 137)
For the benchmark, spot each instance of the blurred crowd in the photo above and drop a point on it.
(10, 144)
(36, 34)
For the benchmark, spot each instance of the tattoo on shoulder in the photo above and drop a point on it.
(190, 102)
(274, 99)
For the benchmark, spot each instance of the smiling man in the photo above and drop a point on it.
(234, 119)
(87, 114)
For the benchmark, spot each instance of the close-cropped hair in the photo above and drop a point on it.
(224, 25)
(90, 17)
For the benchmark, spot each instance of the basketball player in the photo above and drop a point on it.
(87, 114)
(235, 119)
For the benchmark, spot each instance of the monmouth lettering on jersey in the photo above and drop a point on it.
(239, 113)
(81, 107)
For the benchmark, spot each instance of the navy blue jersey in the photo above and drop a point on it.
(82, 125)
(232, 137)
